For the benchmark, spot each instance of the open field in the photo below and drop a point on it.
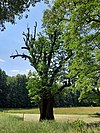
(60, 117)
(87, 114)
(68, 120)
(77, 110)
(15, 124)
(71, 110)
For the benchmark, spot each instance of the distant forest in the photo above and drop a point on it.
(14, 94)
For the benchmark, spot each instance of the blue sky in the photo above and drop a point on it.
(12, 39)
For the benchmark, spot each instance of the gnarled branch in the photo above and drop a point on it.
(93, 20)
(52, 46)
(20, 55)
(59, 67)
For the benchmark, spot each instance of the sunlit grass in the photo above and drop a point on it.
(71, 110)
(28, 111)
(77, 110)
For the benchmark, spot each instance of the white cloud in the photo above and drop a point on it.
(2, 61)
(15, 72)
(24, 71)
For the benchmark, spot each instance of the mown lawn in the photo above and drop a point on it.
(12, 124)
(71, 110)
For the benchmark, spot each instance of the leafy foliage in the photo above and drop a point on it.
(17, 93)
(33, 86)
(3, 88)
(79, 21)
(13, 92)
(10, 9)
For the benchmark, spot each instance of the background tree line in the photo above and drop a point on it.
(14, 94)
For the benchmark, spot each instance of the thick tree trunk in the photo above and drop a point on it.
(46, 108)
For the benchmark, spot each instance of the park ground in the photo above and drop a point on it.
(65, 118)
(87, 114)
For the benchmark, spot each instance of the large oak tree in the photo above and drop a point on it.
(49, 57)
(69, 47)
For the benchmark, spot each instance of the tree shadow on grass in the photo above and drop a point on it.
(93, 124)
(95, 115)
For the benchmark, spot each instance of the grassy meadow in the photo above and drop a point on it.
(15, 124)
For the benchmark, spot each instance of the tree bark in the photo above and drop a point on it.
(46, 108)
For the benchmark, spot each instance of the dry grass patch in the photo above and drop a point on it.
(77, 110)
(25, 111)
(71, 110)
